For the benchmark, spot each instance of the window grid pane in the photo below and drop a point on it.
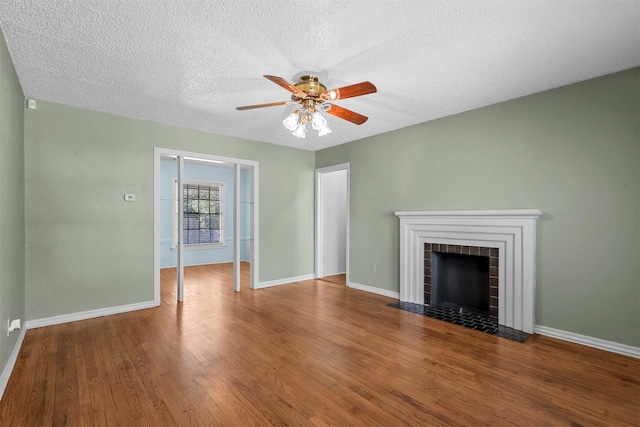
(201, 214)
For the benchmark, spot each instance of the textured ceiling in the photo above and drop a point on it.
(190, 63)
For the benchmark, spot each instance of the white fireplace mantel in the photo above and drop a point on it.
(513, 232)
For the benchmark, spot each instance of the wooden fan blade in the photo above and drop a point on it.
(350, 91)
(348, 115)
(271, 104)
(288, 86)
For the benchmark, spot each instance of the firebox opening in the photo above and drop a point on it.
(460, 281)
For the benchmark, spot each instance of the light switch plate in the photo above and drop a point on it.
(129, 197)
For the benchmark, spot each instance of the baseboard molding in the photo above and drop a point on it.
(285, 281)
(614, 347)
(90, 314)
(11, 363)
(374, 290)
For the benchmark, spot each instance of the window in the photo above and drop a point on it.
(203, 213)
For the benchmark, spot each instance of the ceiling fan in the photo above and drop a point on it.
(314, 97)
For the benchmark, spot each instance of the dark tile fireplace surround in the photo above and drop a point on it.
(490, 253)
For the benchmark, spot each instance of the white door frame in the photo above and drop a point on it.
(158, 154)
(180, 193)
(320, 220)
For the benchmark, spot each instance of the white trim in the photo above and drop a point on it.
(254, 232)
(89, 314)
(285, 281)
(496, 214)
(374, 290)
(319, 226)
(11, 363)
(236, 227)
(168, 152)
(318, 212)
(180, 241)
(156, 225)
(598, 343)
(512, 231)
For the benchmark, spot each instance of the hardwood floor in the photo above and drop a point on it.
(307, 354)
(340, 279)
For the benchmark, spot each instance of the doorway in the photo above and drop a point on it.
(232, 231)
(332, 223)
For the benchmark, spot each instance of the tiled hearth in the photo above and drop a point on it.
(468, 320)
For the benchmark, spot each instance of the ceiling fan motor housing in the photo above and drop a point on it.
(310, 85)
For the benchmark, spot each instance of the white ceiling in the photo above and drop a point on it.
(190, 63)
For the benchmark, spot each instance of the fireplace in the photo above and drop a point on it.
(462, 277)
(508, 234)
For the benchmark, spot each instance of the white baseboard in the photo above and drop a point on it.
(614, 347)
(11, 363)
(374, 290)
(285, 281)
(90, 314)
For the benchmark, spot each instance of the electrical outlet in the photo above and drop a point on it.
(373, 268)
(13, 325)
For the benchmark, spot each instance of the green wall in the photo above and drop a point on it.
(88, 249)
(573, 152)
(12, 227)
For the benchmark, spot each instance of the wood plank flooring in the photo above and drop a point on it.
(312, 353)
(340, 279)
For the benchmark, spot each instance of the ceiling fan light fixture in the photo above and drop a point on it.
(298, 121)
(319, 123)
(300, 131)
(324, 131)
(291, 122)
(313, 97)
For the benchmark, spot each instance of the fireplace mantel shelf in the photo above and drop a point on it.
(505, 213)
(512, 231)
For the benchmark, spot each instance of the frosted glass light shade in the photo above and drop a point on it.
(300, 131)
(324, 131)
(318, 122)
(291, 122)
